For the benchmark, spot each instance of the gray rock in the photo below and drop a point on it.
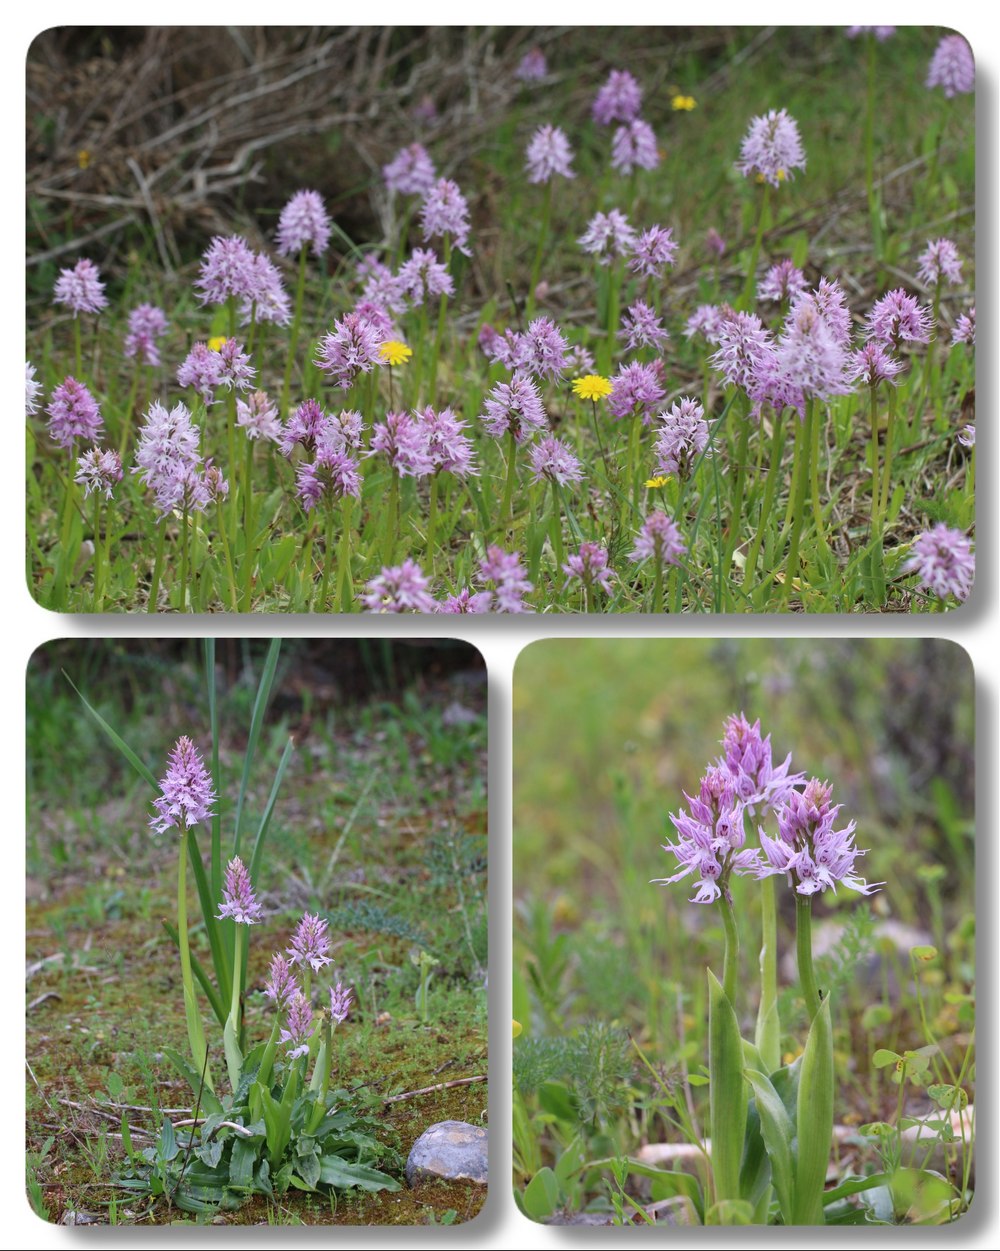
(453, 1150)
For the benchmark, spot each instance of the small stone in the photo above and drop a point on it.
(453, 1150)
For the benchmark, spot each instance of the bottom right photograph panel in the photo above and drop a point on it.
(744, 932)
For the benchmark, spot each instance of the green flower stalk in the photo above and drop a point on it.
(240, 903)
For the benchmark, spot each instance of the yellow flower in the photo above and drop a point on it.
(517, 1028)
(683, 104)
(83, 158)
(395, 353)
(217, 343)
(592, 387)
(659, 481)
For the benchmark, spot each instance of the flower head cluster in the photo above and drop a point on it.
(510, 585)
(146, 324)
(226, 271)
(281, 986)
(811, 354)
(257, 416)
(940, 262)
(641, 327)
(466, 602)
(747, 756)
(965, 328)
(548, 155)
(32, 390)
(634, 147)
(652, 251)
(715, 243)
(659, 539)
(781, 283)
(423, 276)
(873, 363)
(514, 408)
(554, 461)
(73, 414)
(448, 447)
(897, 318)
(745, 347)
(772, 148)
(99, 469)
(266, 299)
(952, 67)
(608, 235)
(635, 390)
(187, 797)
(590, 567)
(399, 588)
(681, 437)
(411, 171)
(532, 67)
(350, 349)
(402, 440)
(340, 1002)
(619, 99)
(333, 475)
(304, 222)
(711, 838)
(444, 211)
(944, 560)
(238, 898)
(298, 1026)
(814, 856)
(169, 462)
(310, 943)
(80, 288)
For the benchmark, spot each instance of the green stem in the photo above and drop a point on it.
(345, 589)
(507, 507)
(770, 486)
(732, 956)
(439, 335)
(817, 504)
(750, 289)
(296, 322)
(234, 1007)
(327, 558)
(768, 1035)
(800, 478)
(736, 496)
(129, 405)
(536, 268)
(98, 567)
(196, 1034)
(555, 529)
(154, 583)
(391, 519)
(432, 509)
(270, 1050)
(248, 543)
(233, 599)
(77, 348)
(890, 430)
(184, 558)
(876, 526)
(658, 588)
(803, 953)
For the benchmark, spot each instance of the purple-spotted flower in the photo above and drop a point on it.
(226, 272)
(302, 427)
(642, 328)
(310, 943)
(514, 408)
(350, 349)
(168, 443)
(812, 854)
(510, 585)
(146, 324)
(99, 469)
(590, 567)
(402, 440)
(80, 288)
(681, 437)
(635, 389)
(618, 100)
(652, 251)
(257, 416)
(304, 222)
(952, 67)
(745, 350)
(423, 276)
(708, 320)
(548, 155)
(186, 797)
(281, 986)
(810, 355)
(634, 147)
(340, 1002)
(202, 370)
(781, 283)
(238, 898)
(772, 148)
(756, 780)
(554, 461)
(873, 363)
(73, 414)
(899, 318)
(659, 540)
(447, 445)
(298, 1024)
(466, 601)
(532, 67)
(411, 171)
(940, 262)
(965, 328)
(543, 350)
(944, 559)
(235, 370)
(399, 588)
(32, 390)
(444, 211)
(332, 476)
(608, 235)
(265, 298)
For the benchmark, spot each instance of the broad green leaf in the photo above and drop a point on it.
(342, 1174)
(307, 1167)
(883, 1058)
(854, 1186)
(241, 1162)
(234, 1057)
(948, 1096)
(777, 1131)
(570, 1160)
(167, 1147)
(210, 1153)
(727, 1092)
(814, 1121)
(541, 1195)
(730, 1212)
(559, 1101)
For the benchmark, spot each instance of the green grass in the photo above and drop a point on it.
(408, 875)
(852, 547)
(607, 736)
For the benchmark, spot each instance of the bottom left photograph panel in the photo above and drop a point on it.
(256, 932)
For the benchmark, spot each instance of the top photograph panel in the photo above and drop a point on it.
(465, 320)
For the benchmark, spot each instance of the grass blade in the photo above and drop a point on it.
(115, 738)
(256, 724)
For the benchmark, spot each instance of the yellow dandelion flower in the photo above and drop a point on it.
(659, 481)
(83, 158)
(517, 1027)
(217, 343)
(395, 353)
(683, 104)
(592, 387)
